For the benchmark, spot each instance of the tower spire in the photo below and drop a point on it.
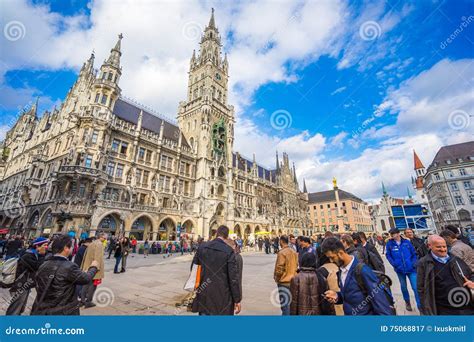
(417, 162)
(115, 53)
(212, 22)
(277, 162)
(88, 66)
(305, 190)
(384, 191)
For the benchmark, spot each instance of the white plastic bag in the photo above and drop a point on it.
(191, 282)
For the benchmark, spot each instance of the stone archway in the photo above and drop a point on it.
(167, 230)
(213, 230)
(32, 225)
(142, 227)
(110, 224)
(238, 231)
(47, 222)
(187, 227)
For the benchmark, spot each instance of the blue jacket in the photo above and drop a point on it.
(402, 257)
(353, 298)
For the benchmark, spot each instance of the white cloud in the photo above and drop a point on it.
(338, 90)
(338, 140)
(3, 131)
(300, 146)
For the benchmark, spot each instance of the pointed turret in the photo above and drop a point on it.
(108, 78)
(305, 190)
(225, 62)
(115, 53)
(193, 60)
(384, 191)
(88, 66)
(419, 170)
(417, 161)
(34, 109)
(212, 22)
(277, 162)
(294, 173)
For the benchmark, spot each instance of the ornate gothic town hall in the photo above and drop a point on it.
(102, 162)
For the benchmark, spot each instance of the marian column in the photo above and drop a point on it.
(340, 217)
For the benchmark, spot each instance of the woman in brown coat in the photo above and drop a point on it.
(307, 290)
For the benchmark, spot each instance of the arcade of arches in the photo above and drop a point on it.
(144, 227)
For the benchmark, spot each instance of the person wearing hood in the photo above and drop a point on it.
(27, 266)
(307, 290)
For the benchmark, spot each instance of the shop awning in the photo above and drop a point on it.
(4, 231)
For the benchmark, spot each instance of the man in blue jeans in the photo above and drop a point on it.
(402, 256)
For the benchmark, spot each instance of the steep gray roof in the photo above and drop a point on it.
(328, 196)
(129, 112)
(240, 161)
(454, 154)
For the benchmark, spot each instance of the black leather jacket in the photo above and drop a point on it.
(56, 282)
(28, 264)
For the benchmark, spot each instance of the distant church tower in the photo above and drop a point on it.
(417, 182)
(207, 122)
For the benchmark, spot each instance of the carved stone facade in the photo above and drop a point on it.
(105, 163)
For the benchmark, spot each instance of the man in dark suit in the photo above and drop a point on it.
(218, 291)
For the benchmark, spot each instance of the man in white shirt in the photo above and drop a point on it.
(361, 293)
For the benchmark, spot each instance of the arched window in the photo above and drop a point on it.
(221, 172)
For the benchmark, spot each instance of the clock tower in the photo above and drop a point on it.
(207, 122)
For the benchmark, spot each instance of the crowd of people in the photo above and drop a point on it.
(334, 274)
(348, 272)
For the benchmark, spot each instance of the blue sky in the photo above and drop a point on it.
(359, 101)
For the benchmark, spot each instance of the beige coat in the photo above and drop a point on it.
(333, 284)
(95, 251)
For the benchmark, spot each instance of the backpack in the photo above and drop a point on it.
(384, 283)
(8, 272)
(375, 262)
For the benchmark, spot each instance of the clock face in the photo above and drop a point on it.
(218, 77)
